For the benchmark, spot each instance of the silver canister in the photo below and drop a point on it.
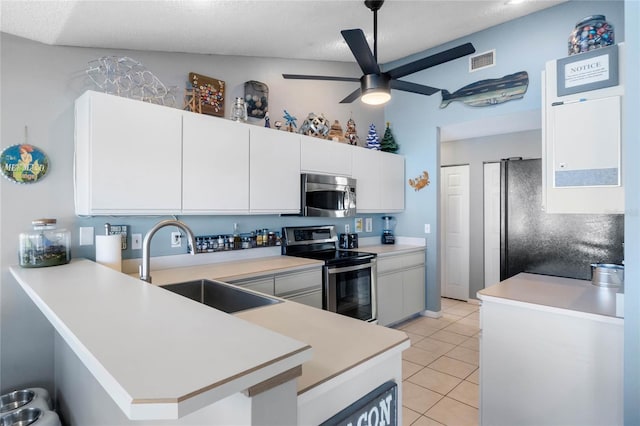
(607, 275)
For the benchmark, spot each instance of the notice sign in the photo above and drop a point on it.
(377, 408)
(588, 71)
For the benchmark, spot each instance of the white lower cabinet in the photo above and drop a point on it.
(549, 366)
(379, 181)
(260, 284)
(401, 287)
(303, 286)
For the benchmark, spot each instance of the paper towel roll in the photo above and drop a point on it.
(109, 251)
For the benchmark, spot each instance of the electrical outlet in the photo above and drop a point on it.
(427, 228)
(136, 241)
(176, 239)
(86, 235)
(368, 224)
(347, 228)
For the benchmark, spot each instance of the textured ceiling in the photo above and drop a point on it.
(300, 29)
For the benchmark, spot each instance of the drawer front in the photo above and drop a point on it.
(263, 285)
(413, 259)
(400, 261)
(389, 263)
(313, 299)
(298, 281)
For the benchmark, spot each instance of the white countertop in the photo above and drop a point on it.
(146, 345)
(578, 297)
(152, 350)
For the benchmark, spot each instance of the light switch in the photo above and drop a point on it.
(86, 236)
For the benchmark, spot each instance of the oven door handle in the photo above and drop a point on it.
(331, 270)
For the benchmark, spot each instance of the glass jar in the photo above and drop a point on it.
(591, 33)
(45, 245)
(239, 110)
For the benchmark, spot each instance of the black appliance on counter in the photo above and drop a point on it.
(563, 245)
(348, 241)
(348, 277)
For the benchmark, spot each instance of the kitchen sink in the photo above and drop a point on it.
(224, 297)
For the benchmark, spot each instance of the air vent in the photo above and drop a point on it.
(483, 60)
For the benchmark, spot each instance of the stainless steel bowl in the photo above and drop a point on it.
(607, 275)
(16, 399)
(23, 417)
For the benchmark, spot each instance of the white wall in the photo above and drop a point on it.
(39, 84)
(476, 152)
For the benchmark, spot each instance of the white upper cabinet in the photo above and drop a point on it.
(215, 165)
(274, 173)
(582, 141)
(324, 156)
(127, 156)
(379, 181)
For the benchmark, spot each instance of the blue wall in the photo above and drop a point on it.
(524, 44)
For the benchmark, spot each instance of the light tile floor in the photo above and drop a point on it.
(440, 369)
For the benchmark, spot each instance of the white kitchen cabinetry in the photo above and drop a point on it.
(401, 291)
(215, 165)
(127, 156)
(261, 284)
(303, 286)
(582, 147)
(274, 171)
(324, 156)
(379, 181)
(547, 366)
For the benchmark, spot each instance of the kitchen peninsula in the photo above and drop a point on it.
(551, 353)
(130, 352)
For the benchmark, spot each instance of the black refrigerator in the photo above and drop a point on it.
(562, 245)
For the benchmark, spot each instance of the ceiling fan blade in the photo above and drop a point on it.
(413, 87)
(352, 97)
(318, 77)
(433, 60)
(357, 42)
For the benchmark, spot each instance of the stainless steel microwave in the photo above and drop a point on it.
(328, 196)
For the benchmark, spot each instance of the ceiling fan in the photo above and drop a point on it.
(375, 85)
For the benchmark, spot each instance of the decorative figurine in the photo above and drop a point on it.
(388, 141)
(351, 134)
(267, 122)
(314, 125)
(290, 121)
(278, 124)
(335, 133)
(373, 141)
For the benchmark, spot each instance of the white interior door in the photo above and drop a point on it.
(454, 250)
(491, 224)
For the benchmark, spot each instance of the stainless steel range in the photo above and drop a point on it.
(349, 277)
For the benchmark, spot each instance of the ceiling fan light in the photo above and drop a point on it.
(376, 96)
(375, 89)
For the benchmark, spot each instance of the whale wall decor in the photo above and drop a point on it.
(489, 92)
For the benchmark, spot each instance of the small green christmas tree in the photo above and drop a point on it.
(388, 142)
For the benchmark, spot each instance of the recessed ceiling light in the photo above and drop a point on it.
(512, 2)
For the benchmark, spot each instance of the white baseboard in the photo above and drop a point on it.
(431, 314)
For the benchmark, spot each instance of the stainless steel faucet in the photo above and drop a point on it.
(145, 267)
